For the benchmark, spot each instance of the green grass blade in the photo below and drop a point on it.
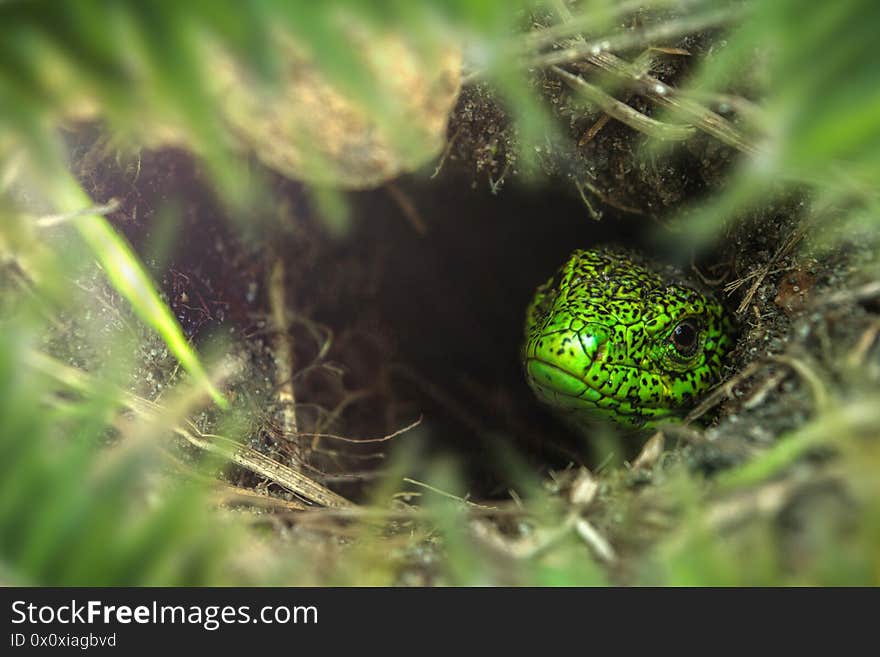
(128, 277)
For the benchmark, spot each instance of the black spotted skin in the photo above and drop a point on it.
(610, 337)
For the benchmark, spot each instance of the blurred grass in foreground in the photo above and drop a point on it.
(76, 512)
(817, 123)
(73, 511)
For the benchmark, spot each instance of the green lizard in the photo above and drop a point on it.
(609, 337)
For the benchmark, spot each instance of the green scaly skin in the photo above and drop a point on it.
(607, 337)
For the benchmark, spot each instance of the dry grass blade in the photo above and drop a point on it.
(650, 453)
(623, 112)
(408, 208)
(446, 494)
(862, 293)
(262, 465)
(857, 355)
(818, 390)
(232, 495)
(597, 543)
(637, 38)
(597, 53)
(284, 350)
(50, 220)
(698, 115)
(817, 387)
(523, 548)
(764, 271)
(722, 391)
(380, 439)
(241, 455)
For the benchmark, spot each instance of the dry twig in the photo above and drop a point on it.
(239, 454)
(283, 352)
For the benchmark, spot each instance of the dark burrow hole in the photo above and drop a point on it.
(440, 312)
(455, 299)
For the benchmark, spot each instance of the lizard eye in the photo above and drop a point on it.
(685, 337)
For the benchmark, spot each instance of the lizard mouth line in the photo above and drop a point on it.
(550, 376)
(567, 391)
